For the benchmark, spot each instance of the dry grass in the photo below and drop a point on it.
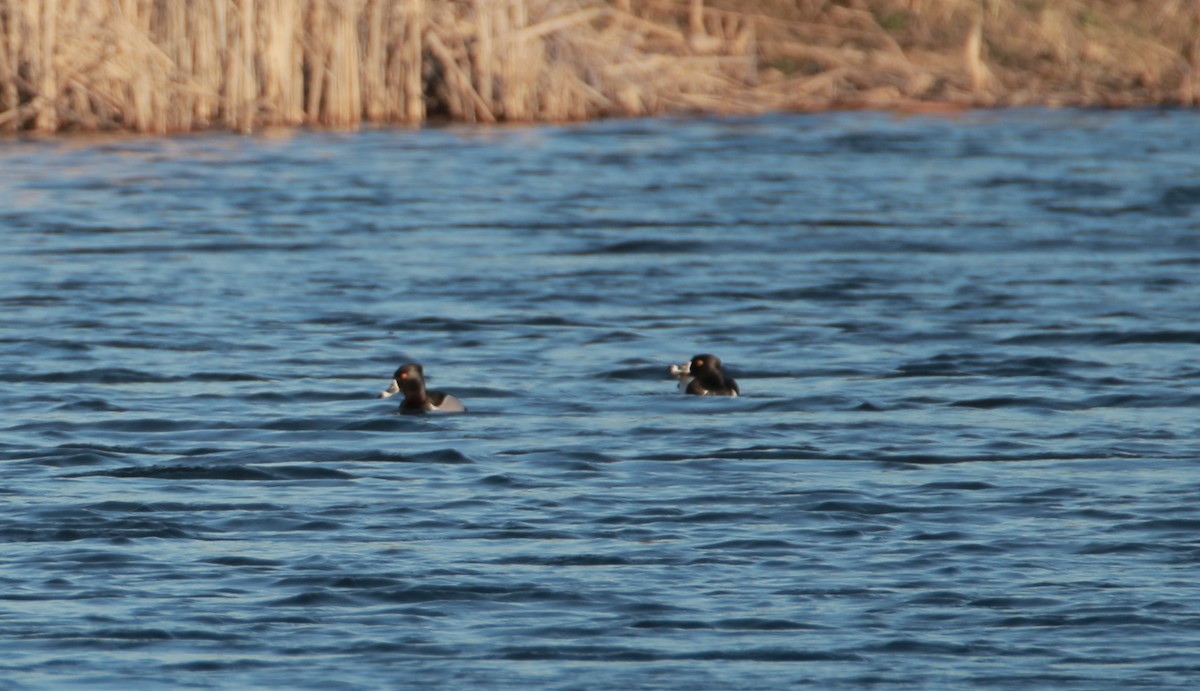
(181, 65)
(980, 52)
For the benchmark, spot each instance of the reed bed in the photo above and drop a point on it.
(183, 65)
(180, 65)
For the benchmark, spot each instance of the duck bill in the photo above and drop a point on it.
(391, 390)
(680, 371)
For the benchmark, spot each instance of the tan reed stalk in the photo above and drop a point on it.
(176, 39)
(316, 60)
(9, 107)
(196, 40)
(241, 76)
(1189, 89)
(518, 60)
(140, 79)
(281, 61)
(410, 61)
(376, 48)
(488, 20)
(343, 105)
(973, 54)
(47, 80)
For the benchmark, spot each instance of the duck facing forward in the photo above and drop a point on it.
(410, 379)
(703, 375)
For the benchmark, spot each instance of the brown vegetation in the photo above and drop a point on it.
(981, 52)
(181, 65)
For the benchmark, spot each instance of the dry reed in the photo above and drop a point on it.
(181, 65)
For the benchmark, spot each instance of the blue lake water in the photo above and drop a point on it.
(965, 454)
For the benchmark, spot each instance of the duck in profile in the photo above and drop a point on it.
(410, 379)
(704, 376)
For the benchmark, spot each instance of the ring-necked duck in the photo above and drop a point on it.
(410, 379)
(704, 376)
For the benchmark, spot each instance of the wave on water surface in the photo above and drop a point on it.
(962, 455)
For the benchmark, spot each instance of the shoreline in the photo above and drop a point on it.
(899, 110)
(250, 65)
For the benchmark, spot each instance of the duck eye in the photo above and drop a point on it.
(700, 361)
(404, 375)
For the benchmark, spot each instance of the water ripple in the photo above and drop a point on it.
(961, 458)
